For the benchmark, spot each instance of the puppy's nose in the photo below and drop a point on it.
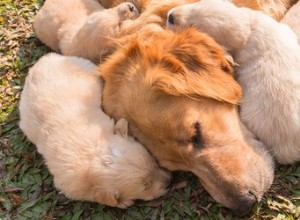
(246, 204)
(131, 7)
(171, 18)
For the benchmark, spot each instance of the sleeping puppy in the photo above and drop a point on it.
(292, 19)
(90, 158)
(268, 55)
(80, 27)
(274, 8)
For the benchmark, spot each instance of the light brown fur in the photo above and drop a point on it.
(89, 156)
(292, 19)
(179, 96)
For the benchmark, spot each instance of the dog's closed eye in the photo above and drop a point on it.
(196, 139)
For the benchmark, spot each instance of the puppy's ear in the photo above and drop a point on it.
(110, 198)
(121, 127)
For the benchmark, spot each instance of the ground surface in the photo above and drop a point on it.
(26, 187)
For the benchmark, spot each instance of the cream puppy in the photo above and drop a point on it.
(268, 56)
(292, 18)
(80, 27)
(90, 158)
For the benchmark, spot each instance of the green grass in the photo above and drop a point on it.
(26, 187)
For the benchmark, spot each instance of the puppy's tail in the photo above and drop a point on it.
(291, 18)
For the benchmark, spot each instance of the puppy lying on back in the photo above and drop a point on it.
(90, 158)
(80, 27)
(292, 18)
(268, 55)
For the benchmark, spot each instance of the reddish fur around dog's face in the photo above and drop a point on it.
(178, 94)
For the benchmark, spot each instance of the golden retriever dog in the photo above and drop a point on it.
(90, 158)
(292, 18)
(80, 27)
(180, 98)
(268, 56)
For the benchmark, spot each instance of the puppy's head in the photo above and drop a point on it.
(222, 20)
(179, 96)
(128, 172)
(102, 27)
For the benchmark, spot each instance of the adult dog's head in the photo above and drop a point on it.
(180, 98)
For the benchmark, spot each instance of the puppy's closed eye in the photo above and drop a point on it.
(147, 186)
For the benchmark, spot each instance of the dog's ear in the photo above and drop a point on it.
(198, 72)
(220, 87)
(190, 78)
(110, 198)
(121, 127)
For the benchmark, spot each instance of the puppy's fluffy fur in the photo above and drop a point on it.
(268, 55)
(292, 18)
(61, 114)
(80, 27)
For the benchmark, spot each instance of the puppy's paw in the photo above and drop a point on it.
(127, 11)
(125, 204)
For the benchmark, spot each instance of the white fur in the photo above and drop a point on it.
(268, 56)
(292, 18)
(89, 157)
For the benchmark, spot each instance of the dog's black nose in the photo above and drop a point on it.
(131, 7)
(171, 18)
(245, 204)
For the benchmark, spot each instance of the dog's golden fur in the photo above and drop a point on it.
(80, 27)
(179, 96)
(89, 156)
